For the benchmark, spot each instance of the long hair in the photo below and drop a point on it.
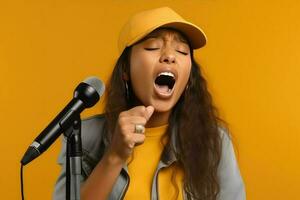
(198, 143)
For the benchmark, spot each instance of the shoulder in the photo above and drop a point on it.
(227, 153)
(92, 132)
(92, 128)
(231, 182)
(225, 137)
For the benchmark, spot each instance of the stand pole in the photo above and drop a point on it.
(73, 157)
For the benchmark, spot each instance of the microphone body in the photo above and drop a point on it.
(85, 96)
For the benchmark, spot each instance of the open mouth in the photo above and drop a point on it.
(164, 83)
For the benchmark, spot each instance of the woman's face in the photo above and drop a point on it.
(160, 66)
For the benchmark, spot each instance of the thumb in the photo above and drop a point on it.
(150, 110)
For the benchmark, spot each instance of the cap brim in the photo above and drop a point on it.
(194, 34)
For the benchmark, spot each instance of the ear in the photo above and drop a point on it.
(125, 76)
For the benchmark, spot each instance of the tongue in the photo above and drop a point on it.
(162, 88)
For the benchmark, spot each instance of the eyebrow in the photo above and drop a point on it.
(157, 35)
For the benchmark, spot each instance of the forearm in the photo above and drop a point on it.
(100, 182)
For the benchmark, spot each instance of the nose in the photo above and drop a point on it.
(167, 56)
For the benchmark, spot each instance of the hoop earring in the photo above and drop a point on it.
(126, 90)
(186, 88)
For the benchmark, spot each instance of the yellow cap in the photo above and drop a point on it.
(143, 23)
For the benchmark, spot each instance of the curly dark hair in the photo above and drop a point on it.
(198, 143)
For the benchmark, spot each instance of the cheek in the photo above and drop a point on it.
(141, 67)
(185, 71)
(139, 62)
(136, 65)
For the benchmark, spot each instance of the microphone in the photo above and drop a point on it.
(86, 95)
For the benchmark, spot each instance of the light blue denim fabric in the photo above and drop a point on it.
(231, 183)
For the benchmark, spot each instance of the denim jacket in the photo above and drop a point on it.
(93, 145)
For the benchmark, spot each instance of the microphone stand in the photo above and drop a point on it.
(73, 160)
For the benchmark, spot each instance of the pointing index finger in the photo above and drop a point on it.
(150, 110)
(142, 111)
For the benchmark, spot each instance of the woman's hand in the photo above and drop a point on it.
(125, 137)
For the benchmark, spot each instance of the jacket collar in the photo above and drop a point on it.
(169, 156)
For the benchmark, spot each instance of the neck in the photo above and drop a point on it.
(158, 119)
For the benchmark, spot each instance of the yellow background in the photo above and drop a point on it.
(251, 62)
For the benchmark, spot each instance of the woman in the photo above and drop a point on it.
(160, 136)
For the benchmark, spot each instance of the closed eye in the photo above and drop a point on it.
(182, 52)
(151, 49)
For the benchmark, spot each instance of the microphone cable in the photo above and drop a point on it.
(22, 187)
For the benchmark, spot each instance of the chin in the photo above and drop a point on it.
(161, 106)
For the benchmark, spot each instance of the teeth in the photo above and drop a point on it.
(167, 74)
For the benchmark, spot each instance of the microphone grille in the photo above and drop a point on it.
(97, 84)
